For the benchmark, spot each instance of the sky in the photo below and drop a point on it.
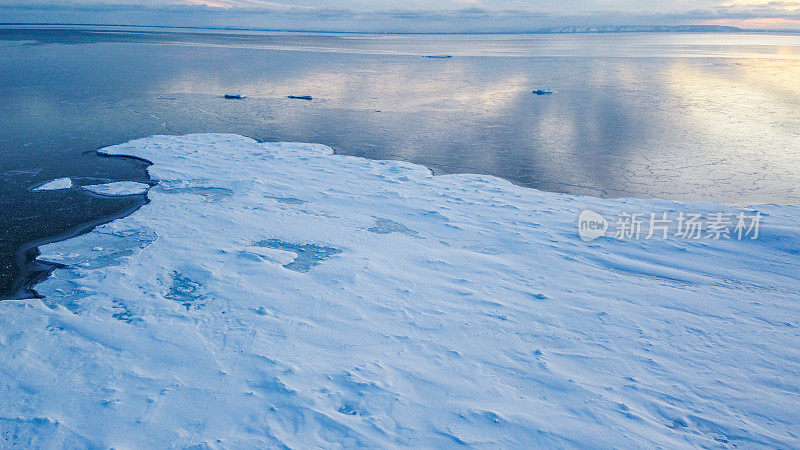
(406, 15)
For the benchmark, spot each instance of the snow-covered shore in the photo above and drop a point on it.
(278, 295)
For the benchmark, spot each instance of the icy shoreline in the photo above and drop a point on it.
(275, 294)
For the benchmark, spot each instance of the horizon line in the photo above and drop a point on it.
(545, 30)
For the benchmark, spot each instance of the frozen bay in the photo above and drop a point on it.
(276, 294)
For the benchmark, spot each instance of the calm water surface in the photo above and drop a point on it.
(679, 116)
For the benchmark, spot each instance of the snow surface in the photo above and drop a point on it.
(55, 185)
(118, 188)
(274, 294)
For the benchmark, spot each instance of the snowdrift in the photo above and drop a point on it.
(274, 294)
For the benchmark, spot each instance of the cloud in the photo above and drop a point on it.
(394, 16)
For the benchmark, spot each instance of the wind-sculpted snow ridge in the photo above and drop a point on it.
(278, 295)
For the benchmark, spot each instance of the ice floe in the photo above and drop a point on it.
(55, 185)
(273, 294)
(118, 188)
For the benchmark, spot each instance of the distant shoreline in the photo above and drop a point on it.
(604, 29)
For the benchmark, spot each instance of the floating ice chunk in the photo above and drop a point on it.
(301, 97)
(55, 185)
(22, 172)
(118, 188)
(235, 95)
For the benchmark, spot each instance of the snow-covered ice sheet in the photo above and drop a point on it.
(118, 188)
(55, 185)
(274, 294)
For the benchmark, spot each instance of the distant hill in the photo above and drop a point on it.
(643, 29)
